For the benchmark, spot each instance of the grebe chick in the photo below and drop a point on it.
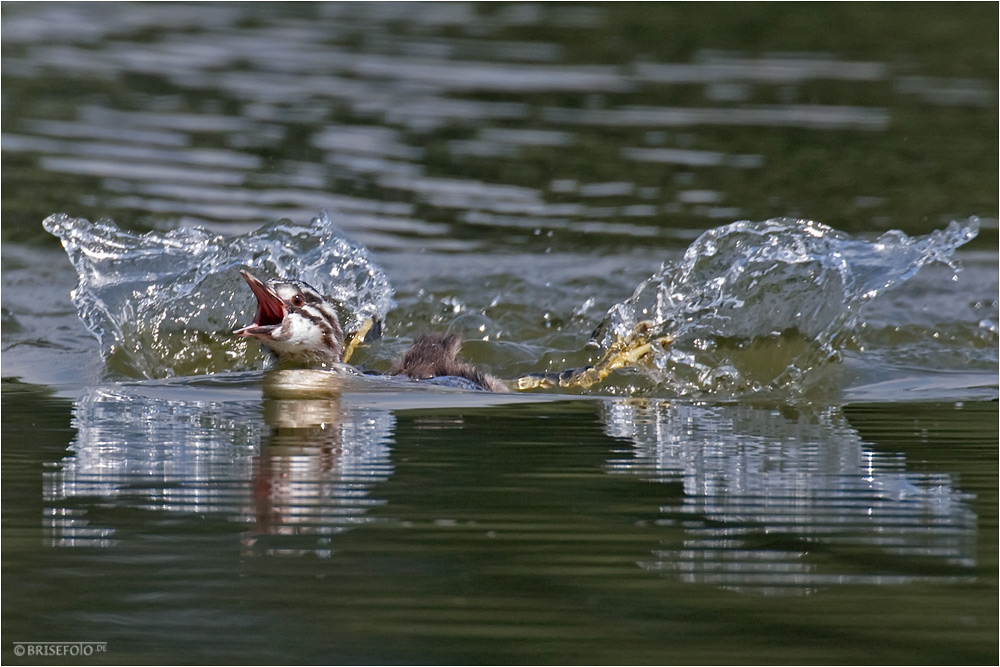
(295, 322)
(300, 327)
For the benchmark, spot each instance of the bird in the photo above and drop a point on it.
(300, 327)
(295, 322)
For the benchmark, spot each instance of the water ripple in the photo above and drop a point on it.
(779, 504)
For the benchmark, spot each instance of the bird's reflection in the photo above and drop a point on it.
(315, 466)
(304, 446)
(771, 500)
(298, 467)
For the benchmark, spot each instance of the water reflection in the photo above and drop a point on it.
(777, 501)
(297, 471)
(773, 501)
(313, 476)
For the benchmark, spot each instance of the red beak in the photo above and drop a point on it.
(270, 309)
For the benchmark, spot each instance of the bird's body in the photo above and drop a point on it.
(301, 328)
(435, 356)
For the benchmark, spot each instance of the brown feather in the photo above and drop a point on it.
(436, 355)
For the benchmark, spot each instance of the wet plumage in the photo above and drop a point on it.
(436, 355)
(295, 322)
(300, 327)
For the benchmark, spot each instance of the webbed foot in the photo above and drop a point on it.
(626, 351)
(357, 338)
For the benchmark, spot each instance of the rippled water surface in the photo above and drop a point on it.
(807, 475)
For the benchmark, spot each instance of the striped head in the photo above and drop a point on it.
(295, 322)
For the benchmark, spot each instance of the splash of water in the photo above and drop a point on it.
(164, 304)
(757, 306)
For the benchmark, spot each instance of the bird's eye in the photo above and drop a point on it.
(297, 300)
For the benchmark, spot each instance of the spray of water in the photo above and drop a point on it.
(761, 306)
(752, 306)
(164, 304)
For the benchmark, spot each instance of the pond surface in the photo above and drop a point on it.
(516, 172)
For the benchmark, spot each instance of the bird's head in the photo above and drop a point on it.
(295, 322)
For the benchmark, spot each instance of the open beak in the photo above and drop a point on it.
(270, 309)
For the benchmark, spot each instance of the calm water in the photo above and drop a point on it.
(515, 171)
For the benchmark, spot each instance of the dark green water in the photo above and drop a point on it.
(516, 170)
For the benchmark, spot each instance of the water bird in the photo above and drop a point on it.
(300, 327)
(295, 322)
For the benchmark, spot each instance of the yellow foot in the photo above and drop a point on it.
(357, 338)
(626, 351)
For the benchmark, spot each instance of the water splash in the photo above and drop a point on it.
(164, 304)
(757, 306)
